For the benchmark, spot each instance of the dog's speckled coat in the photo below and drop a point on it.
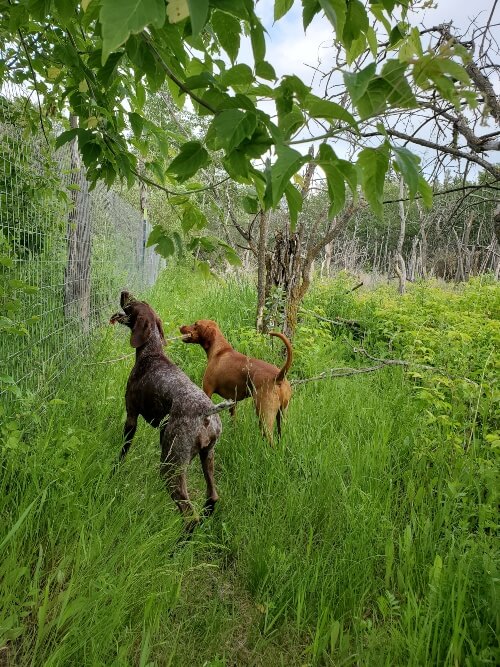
(157, 388)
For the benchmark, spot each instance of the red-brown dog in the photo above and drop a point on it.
(234, 375)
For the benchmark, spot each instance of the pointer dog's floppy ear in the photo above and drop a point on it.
(126, 299)
(160, 329)
(141, 331)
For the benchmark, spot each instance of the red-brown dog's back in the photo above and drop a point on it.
(234, 375)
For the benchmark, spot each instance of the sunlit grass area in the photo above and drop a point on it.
(365, 537)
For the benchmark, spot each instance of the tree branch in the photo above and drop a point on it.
(492, 169)
(488, 186)
(406, 364)
(173, 77)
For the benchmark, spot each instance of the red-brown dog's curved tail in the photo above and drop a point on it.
(289, 355)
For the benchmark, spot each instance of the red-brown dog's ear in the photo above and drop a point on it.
(160, 329)
(209, 331)
(140, 332)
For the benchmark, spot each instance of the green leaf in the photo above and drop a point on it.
(389, 5)
(288, 163)
(291, 122)
(227, 28)
(258, 144)
(66, 136)
(400, 94)
(328, 162)
(356, 48)
(157, 169)
(375, 99)
(454, 69)
(203, 268)
(357, 83)
(293, 84)
(17, 284)
(201, 80)
(335, 11)
(65, 8)
(237, 76)
(294, 201)
(237, 166)
(198, 13)
(396, 35)
(371, 38)
(136, 123)
(7, 261)
(192, 157)
(265, 70)
(193, 218)
(120, 19)
(178, 242)
(281, 7)
(258, 42)
(408, 164)
(426, 192)
(373, 164)
(230, 254)
(319, 108)
(206, 243)
(232, 127)
(309, 10)
(235, 7)
(90, 152)
(250, 205)
(350, 175)
(356, 22)
(165, 247)
(155, 235)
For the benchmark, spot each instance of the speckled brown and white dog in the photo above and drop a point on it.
(156, 388)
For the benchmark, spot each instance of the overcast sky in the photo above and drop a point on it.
(293, 52)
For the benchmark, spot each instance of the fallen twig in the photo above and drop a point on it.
(406, 364)
(355, 287)
(382, 363)
(337, 373)
(340, 321)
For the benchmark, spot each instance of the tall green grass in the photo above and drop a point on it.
(357, 540)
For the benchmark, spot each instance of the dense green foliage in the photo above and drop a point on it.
(102, 59)
(365, 537)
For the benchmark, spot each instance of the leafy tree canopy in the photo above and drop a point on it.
(100, 60)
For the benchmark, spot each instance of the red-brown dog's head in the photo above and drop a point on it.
(202, 332)
(139, 317)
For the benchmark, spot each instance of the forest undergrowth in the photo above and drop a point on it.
(365, 537)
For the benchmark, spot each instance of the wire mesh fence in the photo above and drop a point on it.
(65, 252)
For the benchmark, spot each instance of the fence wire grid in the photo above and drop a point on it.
(65, 253)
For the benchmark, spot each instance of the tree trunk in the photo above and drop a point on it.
(385, 263)
(302, 276)
(77, 271)
(326, 265)
(412, 264)
(496, 222)
(423, 241)
(399, 265)
(261, 270)
(143, 202)
(286, 262)
(468, 253)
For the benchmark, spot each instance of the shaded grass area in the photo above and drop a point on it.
(358, 540)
